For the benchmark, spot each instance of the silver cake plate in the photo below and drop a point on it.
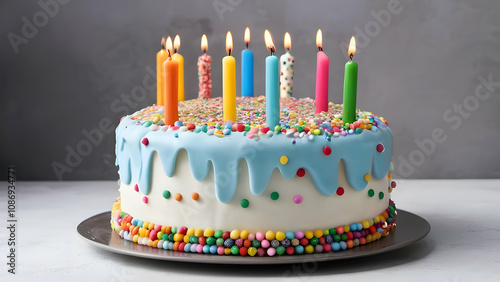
(97, 231)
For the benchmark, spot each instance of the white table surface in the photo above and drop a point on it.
(463, 245)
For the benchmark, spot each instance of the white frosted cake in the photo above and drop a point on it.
(311, 184)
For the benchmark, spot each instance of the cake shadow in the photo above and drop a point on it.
(411, 253)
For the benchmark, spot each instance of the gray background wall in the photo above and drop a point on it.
(424, 69)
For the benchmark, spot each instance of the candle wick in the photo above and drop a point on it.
(350, 56)
(320, 48)
(246, 45)
(168, 50)
(175, 50)
(229, 52)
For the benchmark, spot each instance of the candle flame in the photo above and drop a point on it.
(163, 43)
(269, 41)
(352, 47)
(288, 41)
(229, 43)
(319, 40)
(169, 46)
(247, 36)
(204, 43)
(177, 43)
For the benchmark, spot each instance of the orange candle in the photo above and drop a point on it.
(171, 68)
(179, 58)
(161, 56)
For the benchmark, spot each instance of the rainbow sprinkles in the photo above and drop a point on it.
(235, 242)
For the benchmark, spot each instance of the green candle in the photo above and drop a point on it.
(350, 86)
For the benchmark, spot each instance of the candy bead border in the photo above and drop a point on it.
(243, 243)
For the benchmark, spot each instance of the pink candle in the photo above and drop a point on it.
(322, 70)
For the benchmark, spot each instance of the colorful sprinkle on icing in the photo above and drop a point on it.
(166, 194)
(371, 193)
(244, 203)
(340, 191)
(380, 148)
(367, 177)
(298, 199)
(284, 160)
(178, 197)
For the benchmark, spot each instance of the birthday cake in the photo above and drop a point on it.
(312, 184)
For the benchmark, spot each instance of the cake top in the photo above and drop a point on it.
(297, 115)
(365, 146)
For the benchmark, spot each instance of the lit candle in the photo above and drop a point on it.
(180, 59)
(171, 68)
(161, 56)
(286, 63)
(350, 86)
(204, 71)
(272, 84)
(247, 68)
(322, 69)
(229, 81)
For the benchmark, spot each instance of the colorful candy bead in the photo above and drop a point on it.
(298, 199)
(244, 203)
(270, 243)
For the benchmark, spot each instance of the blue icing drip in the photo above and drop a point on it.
(199, 169)
(145, 176)
(226, 177)
(358, 152)
(258, 177)
(168, 153)
(125, 171)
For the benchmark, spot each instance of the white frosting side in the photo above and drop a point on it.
(263, 213)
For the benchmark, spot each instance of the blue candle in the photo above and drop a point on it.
(272, 85)
(247, 68)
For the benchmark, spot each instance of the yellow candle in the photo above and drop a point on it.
(180, 59)
(171, 79)
(229, 81)
(161, 56)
